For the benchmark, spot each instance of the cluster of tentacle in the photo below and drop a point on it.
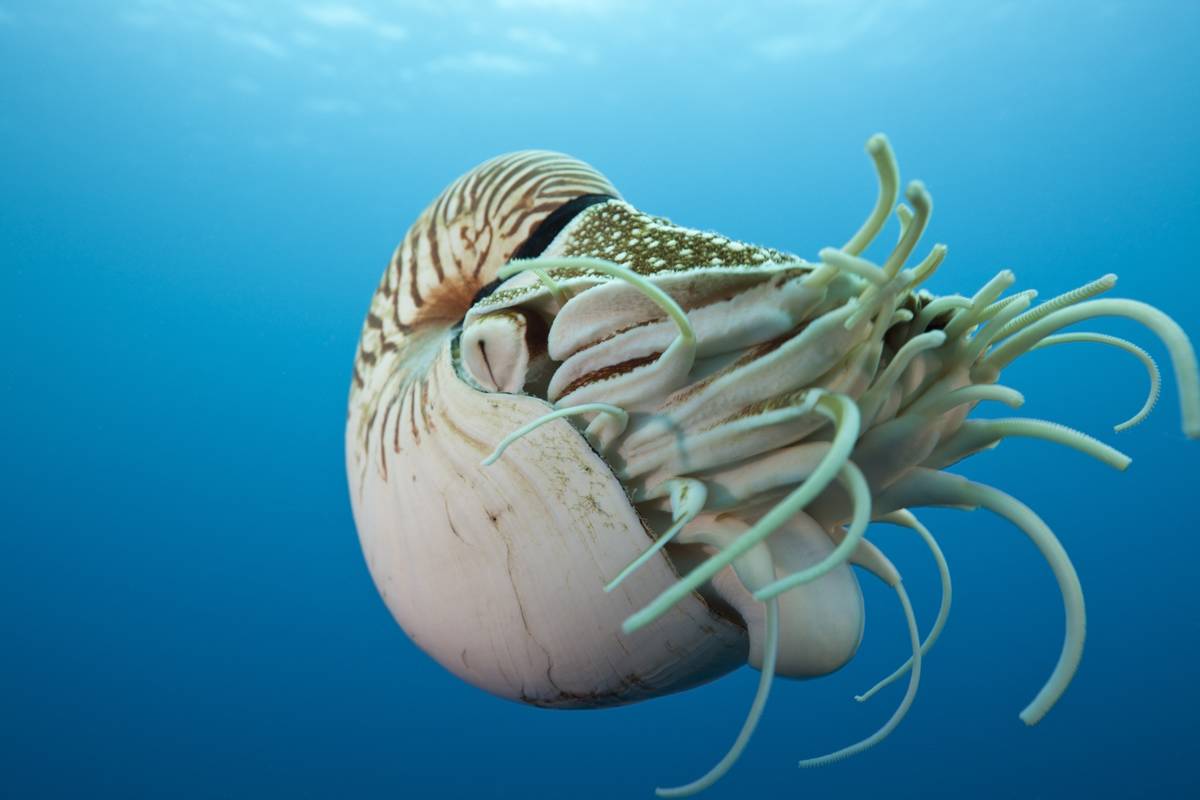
(737, 398)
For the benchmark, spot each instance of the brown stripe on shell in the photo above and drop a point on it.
(454, 248)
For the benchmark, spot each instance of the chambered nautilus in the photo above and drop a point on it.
(596, 457)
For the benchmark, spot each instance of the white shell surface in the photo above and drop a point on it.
(498, 572)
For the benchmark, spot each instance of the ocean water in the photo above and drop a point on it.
(198, 200)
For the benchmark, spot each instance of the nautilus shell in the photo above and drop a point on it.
(596, 457)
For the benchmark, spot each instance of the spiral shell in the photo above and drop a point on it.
(494, 572)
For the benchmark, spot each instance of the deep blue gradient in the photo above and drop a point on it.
(198, 200)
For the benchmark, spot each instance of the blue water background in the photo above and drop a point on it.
(198, 200)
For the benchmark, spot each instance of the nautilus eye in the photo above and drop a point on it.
(596, 457)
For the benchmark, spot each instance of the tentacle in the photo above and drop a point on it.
(844, 413)
(752, 569)
(617, 414)
(687, 500)
(734, 484)
(928, 266)
(1128, 347)
(1004, 302)
(822, 276)
(1183, 356)
(907, 519)
(934, 403)
(964, 320)
(551, 285)
(1065, 300)
(977, 434)
(899, 280)
(1059, 434)
(928, 487)
(988, 334)
(938, 306)
(753, 383)
(876, 298)
(1044, 539)
(904, 214)
(895, 280)
(874, 398)
(765, 678)
(881, 153)
(922, 205)
(892, 578)
(612, 269)
(860, 494)
(854, 265)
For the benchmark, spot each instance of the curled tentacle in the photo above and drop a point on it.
(889, 186)
(927, 487)
(852, 479)
(752, 568)
(1129, 347)
(870, 558)
(908, 520)
(1183, 355)
(687, 500)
